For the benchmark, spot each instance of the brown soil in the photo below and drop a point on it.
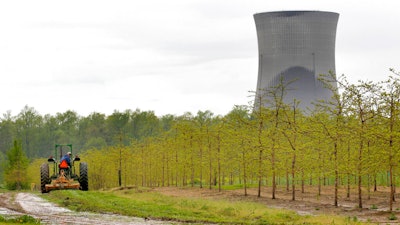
(375, 208)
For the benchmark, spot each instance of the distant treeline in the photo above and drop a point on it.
(39, 134)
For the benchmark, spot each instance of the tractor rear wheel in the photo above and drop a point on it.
(83, 176)
(44, 177)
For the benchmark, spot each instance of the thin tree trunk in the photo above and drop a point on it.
(273, 173)
(260, 129)
(219, 163)
(368, 187)
(210, 164)
(336, 176)
(391, 187)
(293, 178)
(244, 174)
(348, 173)
(163, 170)
(319, 186)
(176, 167)
(259, 172)
(287, 180)
(394, 186)
(348, 185)
(360, 152)
(201, 167)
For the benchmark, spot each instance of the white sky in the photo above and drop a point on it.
(170, 57)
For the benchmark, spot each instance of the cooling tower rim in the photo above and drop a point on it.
(290, 13)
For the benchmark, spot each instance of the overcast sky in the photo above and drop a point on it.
(168, 56)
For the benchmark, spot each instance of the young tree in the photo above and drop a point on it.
(239, 141)
(16, 168)
(334, 125)
(363, 105)
(260, 122)
(202, 122)
(390, 102)
(274, 100)
(291, 133)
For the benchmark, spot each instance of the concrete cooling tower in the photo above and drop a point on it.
(295, 47)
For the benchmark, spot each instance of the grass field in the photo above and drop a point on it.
(19, 220)
(148, 203)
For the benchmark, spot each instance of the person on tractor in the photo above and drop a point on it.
(65, 161)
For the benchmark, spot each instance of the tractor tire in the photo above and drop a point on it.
(83, 176)
(44, 177)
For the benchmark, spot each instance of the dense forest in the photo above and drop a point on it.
(352, 140)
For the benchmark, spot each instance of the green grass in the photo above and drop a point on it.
(392, 217)
(146, 203)
(24, 219)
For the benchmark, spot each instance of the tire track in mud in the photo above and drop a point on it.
(49, 213)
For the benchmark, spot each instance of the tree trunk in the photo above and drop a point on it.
(201, 167)
(293, 178)
(210, 159)
(273, 173)
(287, 180)
(360, 151)
(244, 174)
(391, 187)
(319, 186)
(259, 172)
(336, 176)
(219, 164)
(348, 185)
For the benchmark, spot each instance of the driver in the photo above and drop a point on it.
(67, 159)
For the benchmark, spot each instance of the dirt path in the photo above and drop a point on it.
(49, 213)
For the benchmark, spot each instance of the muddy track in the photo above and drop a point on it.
(48, 213)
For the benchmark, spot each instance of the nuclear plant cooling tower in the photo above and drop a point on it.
(296, 47)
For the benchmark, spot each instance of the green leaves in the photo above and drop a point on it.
(16, 168)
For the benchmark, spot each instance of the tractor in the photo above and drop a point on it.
(64, 176)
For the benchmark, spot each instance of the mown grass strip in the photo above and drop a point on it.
(146, 203)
